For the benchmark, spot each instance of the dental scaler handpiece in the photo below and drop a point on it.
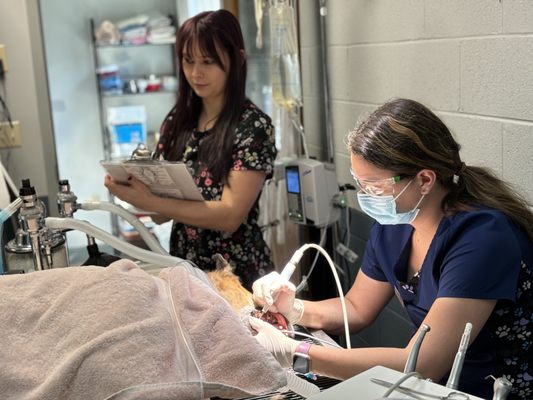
(286, 275)
(410, 365)
(457, 367)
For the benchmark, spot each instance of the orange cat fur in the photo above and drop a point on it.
(230, 288)
(229, 285)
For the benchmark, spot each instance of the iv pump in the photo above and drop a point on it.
(311, 188)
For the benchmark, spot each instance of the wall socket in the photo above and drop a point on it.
(3, 57)
(348, 254)
(10, 136)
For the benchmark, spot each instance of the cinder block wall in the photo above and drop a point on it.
(470, 61)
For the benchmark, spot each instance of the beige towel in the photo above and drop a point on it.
(97, 333)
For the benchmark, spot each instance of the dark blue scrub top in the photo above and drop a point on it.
(478, 254)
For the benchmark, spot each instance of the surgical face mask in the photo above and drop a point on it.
(383, 208)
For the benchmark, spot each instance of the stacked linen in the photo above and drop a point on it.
(133, 30)
(153, 28)
(160, 29)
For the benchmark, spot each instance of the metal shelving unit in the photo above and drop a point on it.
(133, 62)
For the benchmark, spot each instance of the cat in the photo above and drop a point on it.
(229, 285)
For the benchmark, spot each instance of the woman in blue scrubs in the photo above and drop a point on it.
(452, 241)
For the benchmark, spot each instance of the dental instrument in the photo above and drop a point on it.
(453, 379)
(324, 342)
(418, 394)
(502, 387)
(410, 364)
(295, 259)
(285, 275)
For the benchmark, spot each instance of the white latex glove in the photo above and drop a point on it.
(279, 294)
(281, 347)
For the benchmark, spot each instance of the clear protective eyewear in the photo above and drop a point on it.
(378, 187)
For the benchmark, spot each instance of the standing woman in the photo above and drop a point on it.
(227, 144)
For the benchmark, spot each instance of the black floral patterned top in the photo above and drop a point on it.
(254, 149)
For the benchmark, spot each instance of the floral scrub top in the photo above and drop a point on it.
(253, 149)
(478, 254)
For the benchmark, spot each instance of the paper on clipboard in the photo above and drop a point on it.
(168, 179)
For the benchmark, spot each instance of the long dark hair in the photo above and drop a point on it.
(404, 136)
(210, 30)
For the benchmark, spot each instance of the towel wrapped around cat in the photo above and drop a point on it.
(120, 333)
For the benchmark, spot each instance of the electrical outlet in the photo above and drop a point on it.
(10, 136)
(348, 254)
(3, 57)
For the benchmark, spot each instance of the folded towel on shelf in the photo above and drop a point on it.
(165, 34)
(138, 20)
(92, 333)
(136, 35)
(163, 31)
(158, 20)
(161, 40)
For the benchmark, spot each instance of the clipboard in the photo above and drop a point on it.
(164, 178)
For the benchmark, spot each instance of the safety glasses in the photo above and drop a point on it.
(378, 187)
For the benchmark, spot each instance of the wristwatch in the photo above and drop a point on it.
(301, 362)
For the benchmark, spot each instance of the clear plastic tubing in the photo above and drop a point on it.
(126, 248)
(148, 238)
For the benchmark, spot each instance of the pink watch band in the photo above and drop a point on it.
(301, 362)
(303, 348)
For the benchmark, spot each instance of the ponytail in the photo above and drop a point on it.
(476, 185)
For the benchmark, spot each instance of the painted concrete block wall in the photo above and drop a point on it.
(470, 61)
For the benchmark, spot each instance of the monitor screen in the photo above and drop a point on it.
(293, 179)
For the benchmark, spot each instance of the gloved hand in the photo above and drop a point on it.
(279, 294)
(281, 347)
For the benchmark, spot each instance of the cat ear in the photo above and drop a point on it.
(221, 262)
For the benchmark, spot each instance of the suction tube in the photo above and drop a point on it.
(148, 238)
(126, 248)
